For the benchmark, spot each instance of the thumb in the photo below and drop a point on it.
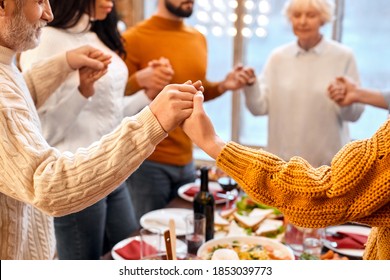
(340, 79)
(198, 102)
(165, 61)
(238, 67)
(93, 63)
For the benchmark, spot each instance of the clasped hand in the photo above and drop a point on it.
(92, 65)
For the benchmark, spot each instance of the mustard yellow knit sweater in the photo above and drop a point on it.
(355, 188)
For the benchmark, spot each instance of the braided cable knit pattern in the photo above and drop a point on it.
(37, 181)
(355, 188)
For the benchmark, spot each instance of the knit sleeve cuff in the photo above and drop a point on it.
(235, 159)
(153, 127)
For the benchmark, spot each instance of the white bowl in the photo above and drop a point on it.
(281, 250)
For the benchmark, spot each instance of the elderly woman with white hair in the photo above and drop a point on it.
(292, 89)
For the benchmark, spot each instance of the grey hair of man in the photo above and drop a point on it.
(326, 8)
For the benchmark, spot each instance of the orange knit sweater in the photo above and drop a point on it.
(186, 49)
(355, 188)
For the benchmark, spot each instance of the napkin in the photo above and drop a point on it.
(159, 221)
(132, 251)
(348, 240)
(192, 191)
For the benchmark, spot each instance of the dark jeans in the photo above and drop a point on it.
(153, 185)
(90, 233)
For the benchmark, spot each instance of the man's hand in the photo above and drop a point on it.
(173, 105)
(343, 91)
(239, 77)
(155, 77)
(89, 76)
(83, 57)
(200, 129)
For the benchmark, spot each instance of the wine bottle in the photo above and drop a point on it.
(204, 203)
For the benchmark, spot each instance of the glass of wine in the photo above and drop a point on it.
(228, 185)
(196, 232)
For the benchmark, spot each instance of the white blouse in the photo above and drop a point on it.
(81, 120)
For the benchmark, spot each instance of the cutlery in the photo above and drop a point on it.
(334, 234)
(172, 230)
(331, 243)
(168, 245)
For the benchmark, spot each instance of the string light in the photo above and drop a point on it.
(247, 19)
(262, 20)
(249, 5)
(218, 17)
(246, 32)
(264, 7)
(232, 17)
(233, 4)
(203, 16)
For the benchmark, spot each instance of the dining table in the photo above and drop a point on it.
(179, 202)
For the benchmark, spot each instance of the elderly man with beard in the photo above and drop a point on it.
(183, 50)
(38, 181)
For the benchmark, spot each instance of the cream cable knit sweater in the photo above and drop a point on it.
(36, 180)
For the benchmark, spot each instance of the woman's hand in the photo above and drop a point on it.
(84, 57)
(173, 104)
(88, 76)
(343, 91)
(236, 79)
(200, 129)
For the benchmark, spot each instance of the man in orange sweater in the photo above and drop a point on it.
(165, 36)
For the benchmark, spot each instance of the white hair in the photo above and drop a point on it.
(324, 7)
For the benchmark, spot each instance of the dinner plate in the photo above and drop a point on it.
(213, 187)
(347, 228)
(181, 247)
(158, 220)
(280, 250)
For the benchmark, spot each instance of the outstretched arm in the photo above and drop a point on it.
(62, 183)
(352, 189)
(236, 79)
(344, 91)
(200, 129)
(42, 85)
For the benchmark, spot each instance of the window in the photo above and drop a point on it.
(364, 29)
(266, 29)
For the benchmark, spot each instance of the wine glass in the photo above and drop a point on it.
(228, 185)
